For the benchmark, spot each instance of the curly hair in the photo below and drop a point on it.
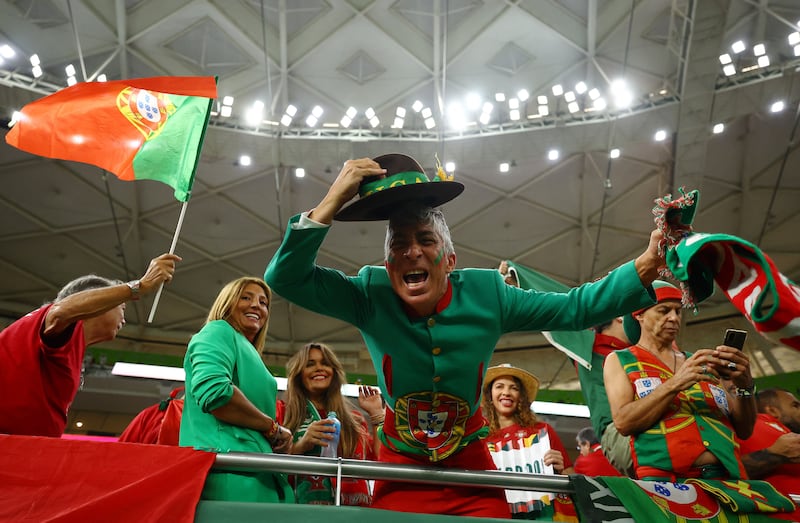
(524, 416)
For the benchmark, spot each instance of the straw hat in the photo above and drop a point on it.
(528, 380)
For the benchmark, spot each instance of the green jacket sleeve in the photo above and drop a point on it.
(294, 274)
(620, 292)
(211, 361)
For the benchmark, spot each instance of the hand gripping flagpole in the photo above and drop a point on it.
(171, 251)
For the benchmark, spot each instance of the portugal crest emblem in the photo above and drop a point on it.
(432, 420)
(146, 110)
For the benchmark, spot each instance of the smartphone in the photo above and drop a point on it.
(735, 338)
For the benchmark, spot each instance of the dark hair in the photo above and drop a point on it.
(768, 398)
(587, 434)
(84, 283)
(600, 327)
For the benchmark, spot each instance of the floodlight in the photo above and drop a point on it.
(300, 172)
(558, 90)
(285, 120)
(660, 135)
(487, 107)
(400, 112)
(245, 161)
(580, 87)
(228, 100)
(317, 111)
(544, 110)
(725, 59)
(718, 128)
(291, 110)
(729, 70)
(351, 112)
(450, 166)
(504, 167)
(573, 107)
(737, 46)
(553, 155)
(346, 121)
(226, 111)
(614, 153)
(777, 107)
(427, 113)
(429, 123)
(759, 49)
(499, 97)
(523, 94)
(311, 120)
(70, 69)
(513, 114)
(71, 81)
(794, 38)
(763, 61)
(541, 99)
(35, 59)
(417, 106)
(6, 51)
(374, 122)
(102, 78)
(513, 103)
(473, 101)
(594, 94)
(369, 113)
(398, 122)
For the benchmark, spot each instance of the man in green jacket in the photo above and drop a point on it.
(430, 329)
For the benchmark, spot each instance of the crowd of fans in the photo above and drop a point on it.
(657, 412)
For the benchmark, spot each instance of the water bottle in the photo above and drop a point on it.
(331, 450)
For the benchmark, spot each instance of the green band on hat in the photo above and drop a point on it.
(404, 178)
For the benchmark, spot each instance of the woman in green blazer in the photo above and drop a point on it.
(231, 395)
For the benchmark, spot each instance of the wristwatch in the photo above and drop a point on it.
(134, 286)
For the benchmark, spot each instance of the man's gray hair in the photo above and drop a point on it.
(84, 283)
(419, 215)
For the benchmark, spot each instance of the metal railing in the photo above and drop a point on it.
(353, 468)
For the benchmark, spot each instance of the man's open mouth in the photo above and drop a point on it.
(415, 277)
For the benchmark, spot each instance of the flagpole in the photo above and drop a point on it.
(171, 251)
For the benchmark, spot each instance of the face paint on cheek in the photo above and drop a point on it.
(439, 257)
(390, 259)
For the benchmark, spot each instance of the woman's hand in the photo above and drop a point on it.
(281, 442)
(319, 433)
(369, 399)
(554, 458)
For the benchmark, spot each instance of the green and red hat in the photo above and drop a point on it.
(665, 291)
(405, 181)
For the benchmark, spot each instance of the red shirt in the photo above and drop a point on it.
(595, 464)
(513, 432)
(766, 431)
(38, 382)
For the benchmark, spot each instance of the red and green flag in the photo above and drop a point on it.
(137, 129)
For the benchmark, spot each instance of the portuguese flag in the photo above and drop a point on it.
(137, 129)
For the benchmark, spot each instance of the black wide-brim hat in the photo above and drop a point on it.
(405, 182)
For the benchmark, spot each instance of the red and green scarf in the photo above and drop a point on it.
(745, 274)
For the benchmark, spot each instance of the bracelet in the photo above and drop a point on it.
(746, 392)
(377, 419)
(273, 431)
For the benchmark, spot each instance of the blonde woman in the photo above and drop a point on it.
(315, 378)
(231, 395)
